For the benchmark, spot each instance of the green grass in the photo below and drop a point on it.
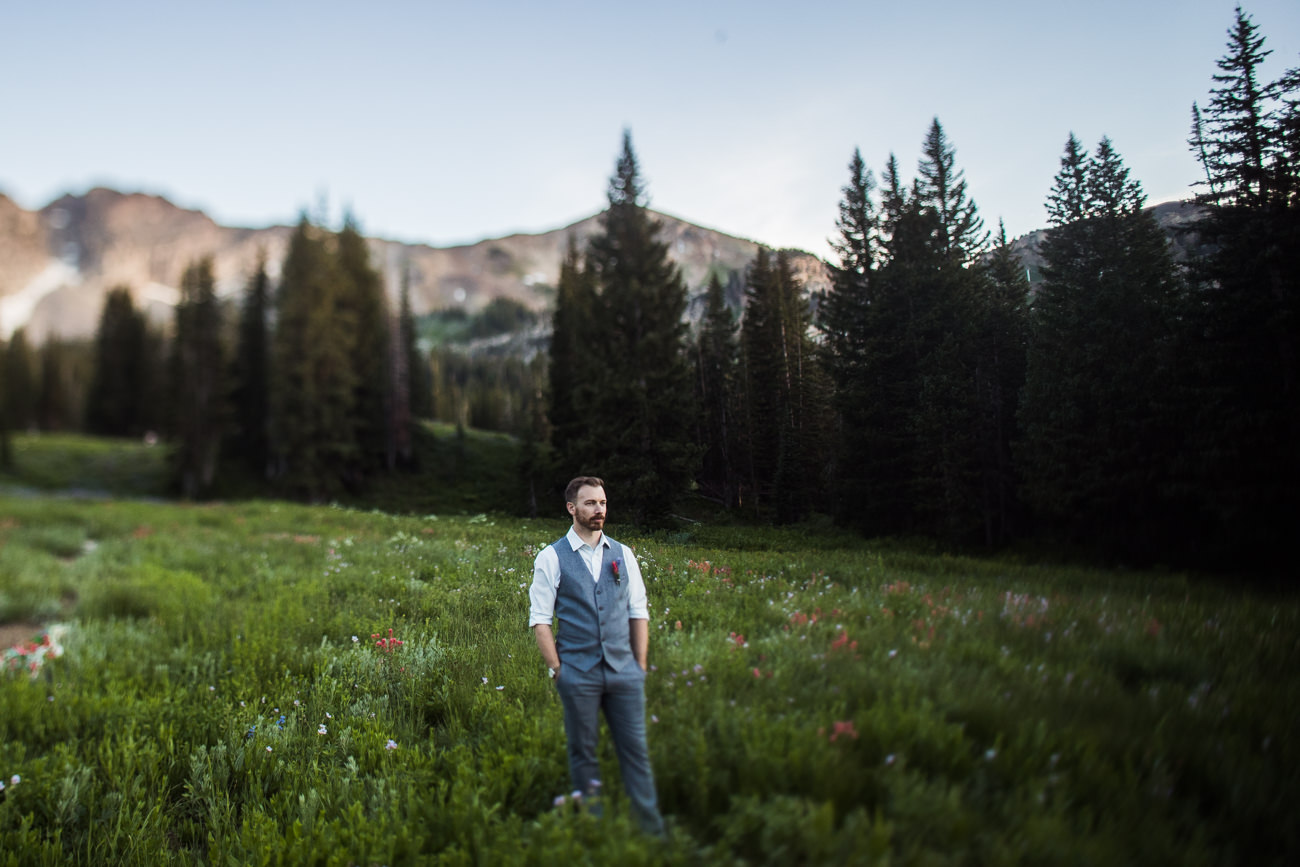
(456, 473)
(92, 465)
(824, 700)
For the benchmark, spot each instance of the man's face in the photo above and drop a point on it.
(588, 508)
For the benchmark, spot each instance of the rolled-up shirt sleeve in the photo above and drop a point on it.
(637, 606)
(546, 581)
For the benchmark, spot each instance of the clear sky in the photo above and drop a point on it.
(451, 122)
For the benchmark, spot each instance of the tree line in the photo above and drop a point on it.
(1129, 403)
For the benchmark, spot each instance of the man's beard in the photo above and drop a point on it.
(593, 523)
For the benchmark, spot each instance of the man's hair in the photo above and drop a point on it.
(571, 489)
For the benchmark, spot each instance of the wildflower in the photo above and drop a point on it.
(329, 715)
(844, 728)
(560, 801)
(889, 759)
(212, 688)
(990, 754)
(893, 653)
(500, 687)
(391, 745)
(654, 718)
(268, 749)
(321, 730)
(355, 639)
(677, 625)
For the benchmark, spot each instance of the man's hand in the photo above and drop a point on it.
(546, 644)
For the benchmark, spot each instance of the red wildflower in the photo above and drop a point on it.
(844, 728)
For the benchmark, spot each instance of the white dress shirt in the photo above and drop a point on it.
(546, 579)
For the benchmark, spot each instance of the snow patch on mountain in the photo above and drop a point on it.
(16, 309)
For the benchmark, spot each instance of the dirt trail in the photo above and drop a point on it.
(16, 633)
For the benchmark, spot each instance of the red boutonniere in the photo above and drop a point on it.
(617, 577)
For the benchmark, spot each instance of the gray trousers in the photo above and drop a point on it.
(621, 695)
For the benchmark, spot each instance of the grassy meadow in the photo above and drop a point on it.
(219, 685)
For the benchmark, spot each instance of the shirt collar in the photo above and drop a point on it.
(575, 541)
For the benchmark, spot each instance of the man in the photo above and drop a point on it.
(592, 586)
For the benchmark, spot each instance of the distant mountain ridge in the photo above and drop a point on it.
(58, 263)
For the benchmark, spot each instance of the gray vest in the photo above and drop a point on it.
(592, 615)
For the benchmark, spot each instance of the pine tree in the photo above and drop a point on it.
(20, 382)
(805, 416)
(763, 353)
(786, 390)
(114, 405)
(417, 364)
(941, 186)
(314, 382)
(640, 435)
(251, 375)
(56, 400)
(362, 302)
(574, 368)
(1097, 427)
(401, 354)
(716, 349)
(924, 359)
(846, 324)
(1241, 353)
(999, 380)
(200, 387)
(893, 198)
(1242, 144)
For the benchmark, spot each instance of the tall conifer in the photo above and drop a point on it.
(363, 303)
(199, 390)
(941, 187)
(846, 324)
(251, 374)
(1242, 352)
(715, 377)
(641, 438)
(574, 365)
(113, 404)
(314, 381)
(20, 382)
(1097, 439)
